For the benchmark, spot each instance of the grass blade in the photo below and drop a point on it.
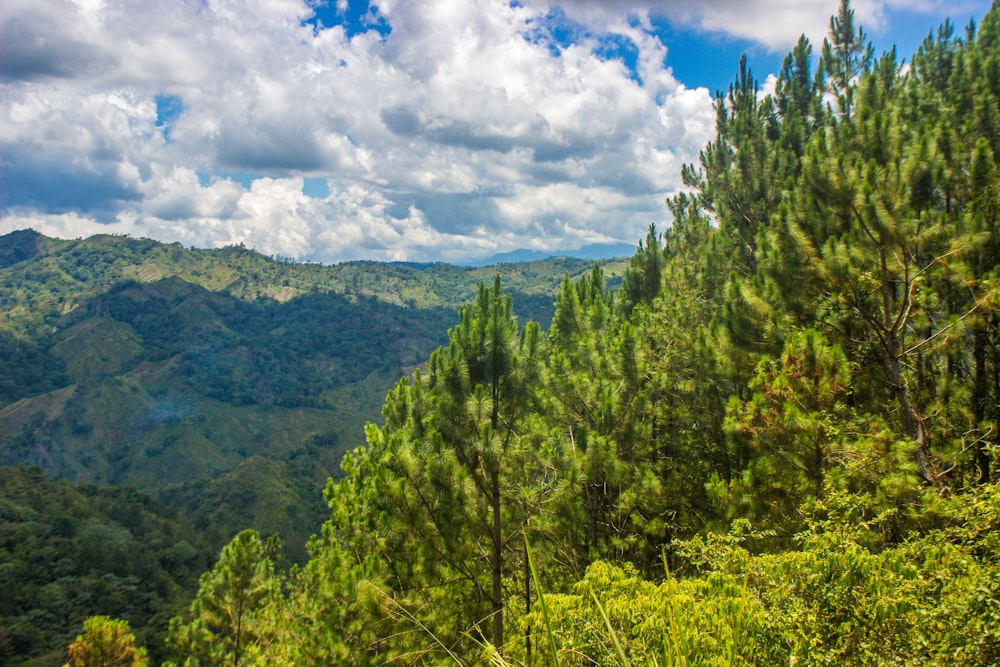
(622, 659)
(553, 651)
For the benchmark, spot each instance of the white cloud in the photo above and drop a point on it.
(179, 195)
(776, 24)
(471, 128)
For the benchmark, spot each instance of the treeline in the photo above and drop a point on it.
(776, 444)
(43, 278)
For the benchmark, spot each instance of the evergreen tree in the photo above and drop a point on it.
(106, 642)
(801, 439)
(228, 623)
(447, 479)
(846, 55)
(887, 222)
(644, 274)
(594, 381)
(686, 386)
(742, 175)
(798, 100)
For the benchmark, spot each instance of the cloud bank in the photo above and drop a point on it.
(444, 130)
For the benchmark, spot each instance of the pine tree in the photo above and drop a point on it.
(897, 250)
(798, 100)
(742, 173)
(792, 427)
(228, 623)
(448, 479)
(644, 274)
(106, 642)
(596, 395)
(846, 55)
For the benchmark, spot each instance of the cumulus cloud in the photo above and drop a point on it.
(458, 129)
(775, 24)
(40, 40)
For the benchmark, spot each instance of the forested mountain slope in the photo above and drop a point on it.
(133, 362)
(68, 552)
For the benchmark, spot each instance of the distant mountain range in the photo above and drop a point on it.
(596, 251)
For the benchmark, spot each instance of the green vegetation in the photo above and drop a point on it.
(775, 444)
(226, 627)
(225, 384)
(131, 362)
(106, 642)
(44, 279)
(69, 552)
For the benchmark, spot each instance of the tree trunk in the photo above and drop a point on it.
(980, 396)
(914, 425)
(496, 566)
(527, 600)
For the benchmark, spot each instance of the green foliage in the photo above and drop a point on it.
(106, 642)
(229, 618)
(339, 608)
(644, 274)
(67, 553)
(614, 616)
(845, 597)
(28, 369)
(595, 395)
(269, 495)
(799, 435)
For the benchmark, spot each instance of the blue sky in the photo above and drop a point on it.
(392, 130)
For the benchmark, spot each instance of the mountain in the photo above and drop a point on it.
(594, 251)
(181, 371)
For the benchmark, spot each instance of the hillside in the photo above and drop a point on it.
(132, 362)
(46, 278)
(67, 552)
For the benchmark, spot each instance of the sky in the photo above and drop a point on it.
(394, 130)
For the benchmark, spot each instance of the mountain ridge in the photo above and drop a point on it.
(134, 362)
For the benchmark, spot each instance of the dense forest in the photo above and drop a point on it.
(67, 552)
(775, 443)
